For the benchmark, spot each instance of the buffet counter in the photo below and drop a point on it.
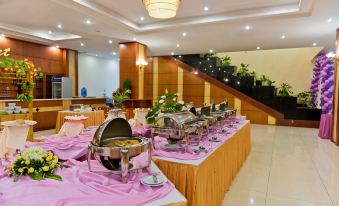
(45, 111)
(204, 181)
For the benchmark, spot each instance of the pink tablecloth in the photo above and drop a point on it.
(66, 147)
(79, 188)
(210, 146)
(325, 128)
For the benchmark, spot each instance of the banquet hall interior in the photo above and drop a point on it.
(169, 102)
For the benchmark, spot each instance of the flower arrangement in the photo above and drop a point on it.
(24, 70)
(36, 163)
(167, 103)
(119, 96)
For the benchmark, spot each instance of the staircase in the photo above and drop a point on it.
(247, 85)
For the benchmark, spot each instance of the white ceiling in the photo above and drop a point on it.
(221, 28)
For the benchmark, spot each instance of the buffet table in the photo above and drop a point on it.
(204, 181)
(95, 118)
(81, 187)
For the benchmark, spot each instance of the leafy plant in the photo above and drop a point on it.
(119, 96)
(243, 70)
(304, 98)
(285, 90)
(266, 81)
(26, 71)
(253, 74)
(127, 84)
(225, 61)
(167, 103)
(211, 54)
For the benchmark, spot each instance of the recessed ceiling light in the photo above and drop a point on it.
(96, 55)
(178, 45)
(81, 44)
(57, 46)
(50, 32)
(206, 8)
(114, 53)
(142, 18)
(314, 44)
(283, 37)
(211, 50)
(172, 53)
(88, 21)
(184, 34)
(134, 39)
(329, 20)
(3, 35)
(110, 41)
(330, 55)
(247, 27)
(59, 26)
(258, 48)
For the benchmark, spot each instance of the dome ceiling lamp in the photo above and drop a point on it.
(162, 9)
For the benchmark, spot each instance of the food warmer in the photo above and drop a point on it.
(177, 126)
(115, 148)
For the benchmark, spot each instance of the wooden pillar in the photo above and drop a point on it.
(336, 96)
(133, 57)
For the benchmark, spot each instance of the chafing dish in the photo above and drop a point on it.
(177, 126)
(72, 107)
(113, 146)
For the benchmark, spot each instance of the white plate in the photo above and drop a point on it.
(149, 181)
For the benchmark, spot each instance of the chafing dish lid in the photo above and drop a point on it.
(117, 127)
(180, 118)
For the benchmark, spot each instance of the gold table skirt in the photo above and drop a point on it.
(207, 183)
(95, 118)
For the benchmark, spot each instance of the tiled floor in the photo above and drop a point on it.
(287, 167)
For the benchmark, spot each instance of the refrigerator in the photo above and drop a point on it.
(62, 87)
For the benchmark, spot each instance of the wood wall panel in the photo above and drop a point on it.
(256, 116)
(46, 120)
(48, 58)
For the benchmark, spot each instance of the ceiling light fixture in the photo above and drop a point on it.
(50, 32)
(178, 45)
(162, 9)
(247, 27)
(96, 55)
(110, 41)
(196, 73)
(258, 48)
(184, 34)
(172, 53)
(142, 18)
(283, 37)
(3, 35)
(206, 8)
(59, 26)
(211, 50)
(314, 44)
(329, 20)
(57, 46)
(134, 39)
(88, 21)
(81, 44)
(114, 53)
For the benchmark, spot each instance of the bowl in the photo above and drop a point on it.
(11, 104)
(9, 111)
(17, 108)
(23, 111)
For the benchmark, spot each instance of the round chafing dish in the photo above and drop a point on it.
(114, 146)
(176, 126)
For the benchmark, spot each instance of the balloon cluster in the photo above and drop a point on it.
(327, 81)
(316, 80)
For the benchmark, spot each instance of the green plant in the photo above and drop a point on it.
(211, 54)
(304, 98)
(119, 96)
(167, 103)
(243, 70)
(266, 81)
(127, 84)
(253, 74)
(225, 61)
(285, 90)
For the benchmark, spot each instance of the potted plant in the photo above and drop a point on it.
(305, 111)
(245, 81)
(265, 91)
(127, 85)
(304, 99)
(119, 96)
(225, 68)
(285, 102)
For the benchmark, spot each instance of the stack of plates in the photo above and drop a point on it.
(149, 180)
